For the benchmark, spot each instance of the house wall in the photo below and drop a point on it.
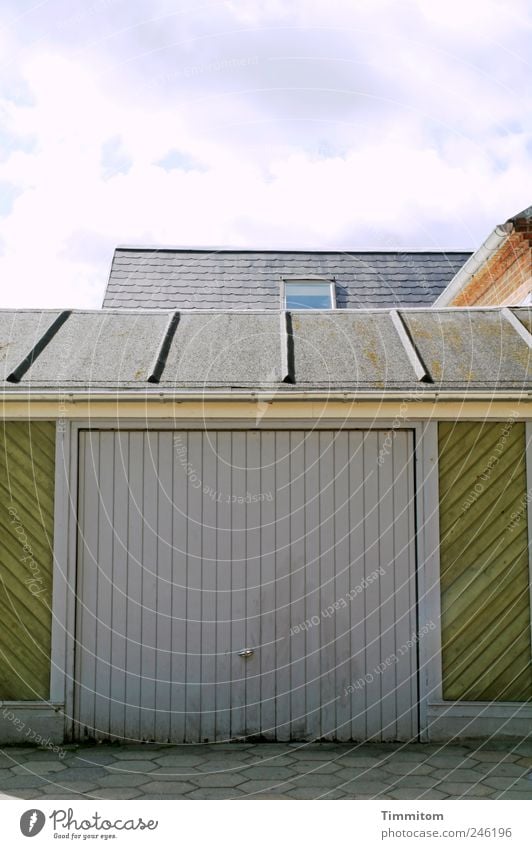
(27, 478)
(507, 276)
(484, 562)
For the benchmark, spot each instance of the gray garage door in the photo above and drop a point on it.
(246, 583)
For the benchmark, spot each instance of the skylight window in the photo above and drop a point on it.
(309, 295)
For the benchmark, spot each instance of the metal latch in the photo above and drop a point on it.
(246, 653)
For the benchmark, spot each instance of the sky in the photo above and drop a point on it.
(253, 123)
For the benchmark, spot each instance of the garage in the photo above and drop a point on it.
(246, 584)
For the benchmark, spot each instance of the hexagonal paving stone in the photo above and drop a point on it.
(132, 766)
(215, 793)
(93, 759)
(22, 782)
(123, 779)
(398, 768)
(501, 783)
(313, 779)
(217, 780)
(512, 770)
(273, 773)
(71, 787)
(136, 754)
(38, 768)
(80, 773)
(425, 781)
(492, 757)
(370, 788)
(311, 792)
(259, 786)
(416, 793)
(462, 788)
(182, 761)
(460, 775)
(116, 793)
(176, 788)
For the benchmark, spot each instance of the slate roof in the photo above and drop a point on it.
(150, 352)
(146, 278)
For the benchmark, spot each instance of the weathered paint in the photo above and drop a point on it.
(27, 460)
(485, 594)
(194, 547)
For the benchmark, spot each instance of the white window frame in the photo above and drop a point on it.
(306, 278)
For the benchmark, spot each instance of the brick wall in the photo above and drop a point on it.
(507, 276)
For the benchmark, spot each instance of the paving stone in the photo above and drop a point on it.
(123, 779)
(72, 787)
(259, 785)
(426, 781)
(218, 780)
(501, 783)
(513, 770)
(136, 754)
(526, 762)
(24, 794)
(93, 759)
(22, 782)
(371, 788)
(116, 793)
(215, 793)
(512, 794)
(460, 775)
(66, 794)
(220, 747)
(144, 767)
(316, 755)
(167, 788)
(316, 768)
(523, 748)
(461, 788)
(485, 756)
(357, 761)
(416, 793)
(310, 792)
(82, 773)
(274, 773)
(313, 779)
(398, 768)
(182, 761)
(38, 768)
(221, 766)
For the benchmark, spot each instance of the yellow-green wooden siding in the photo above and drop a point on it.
(485, 594)
(27, 461)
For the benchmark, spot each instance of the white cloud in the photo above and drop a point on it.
(410, 140)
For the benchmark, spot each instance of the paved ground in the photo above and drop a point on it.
(270, 771)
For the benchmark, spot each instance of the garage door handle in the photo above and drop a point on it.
(246, 653)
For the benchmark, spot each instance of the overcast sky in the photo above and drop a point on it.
(275, 123)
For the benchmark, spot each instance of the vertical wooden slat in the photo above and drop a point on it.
(268, 614)
(194, 590)
(118, 592)
(223, 595)
(372, 688)
(253, 581)
(134, 586)
(327, 594)
(208, 584)
(309, 637)
(238, 585)
(282, 583)
(179, 587)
